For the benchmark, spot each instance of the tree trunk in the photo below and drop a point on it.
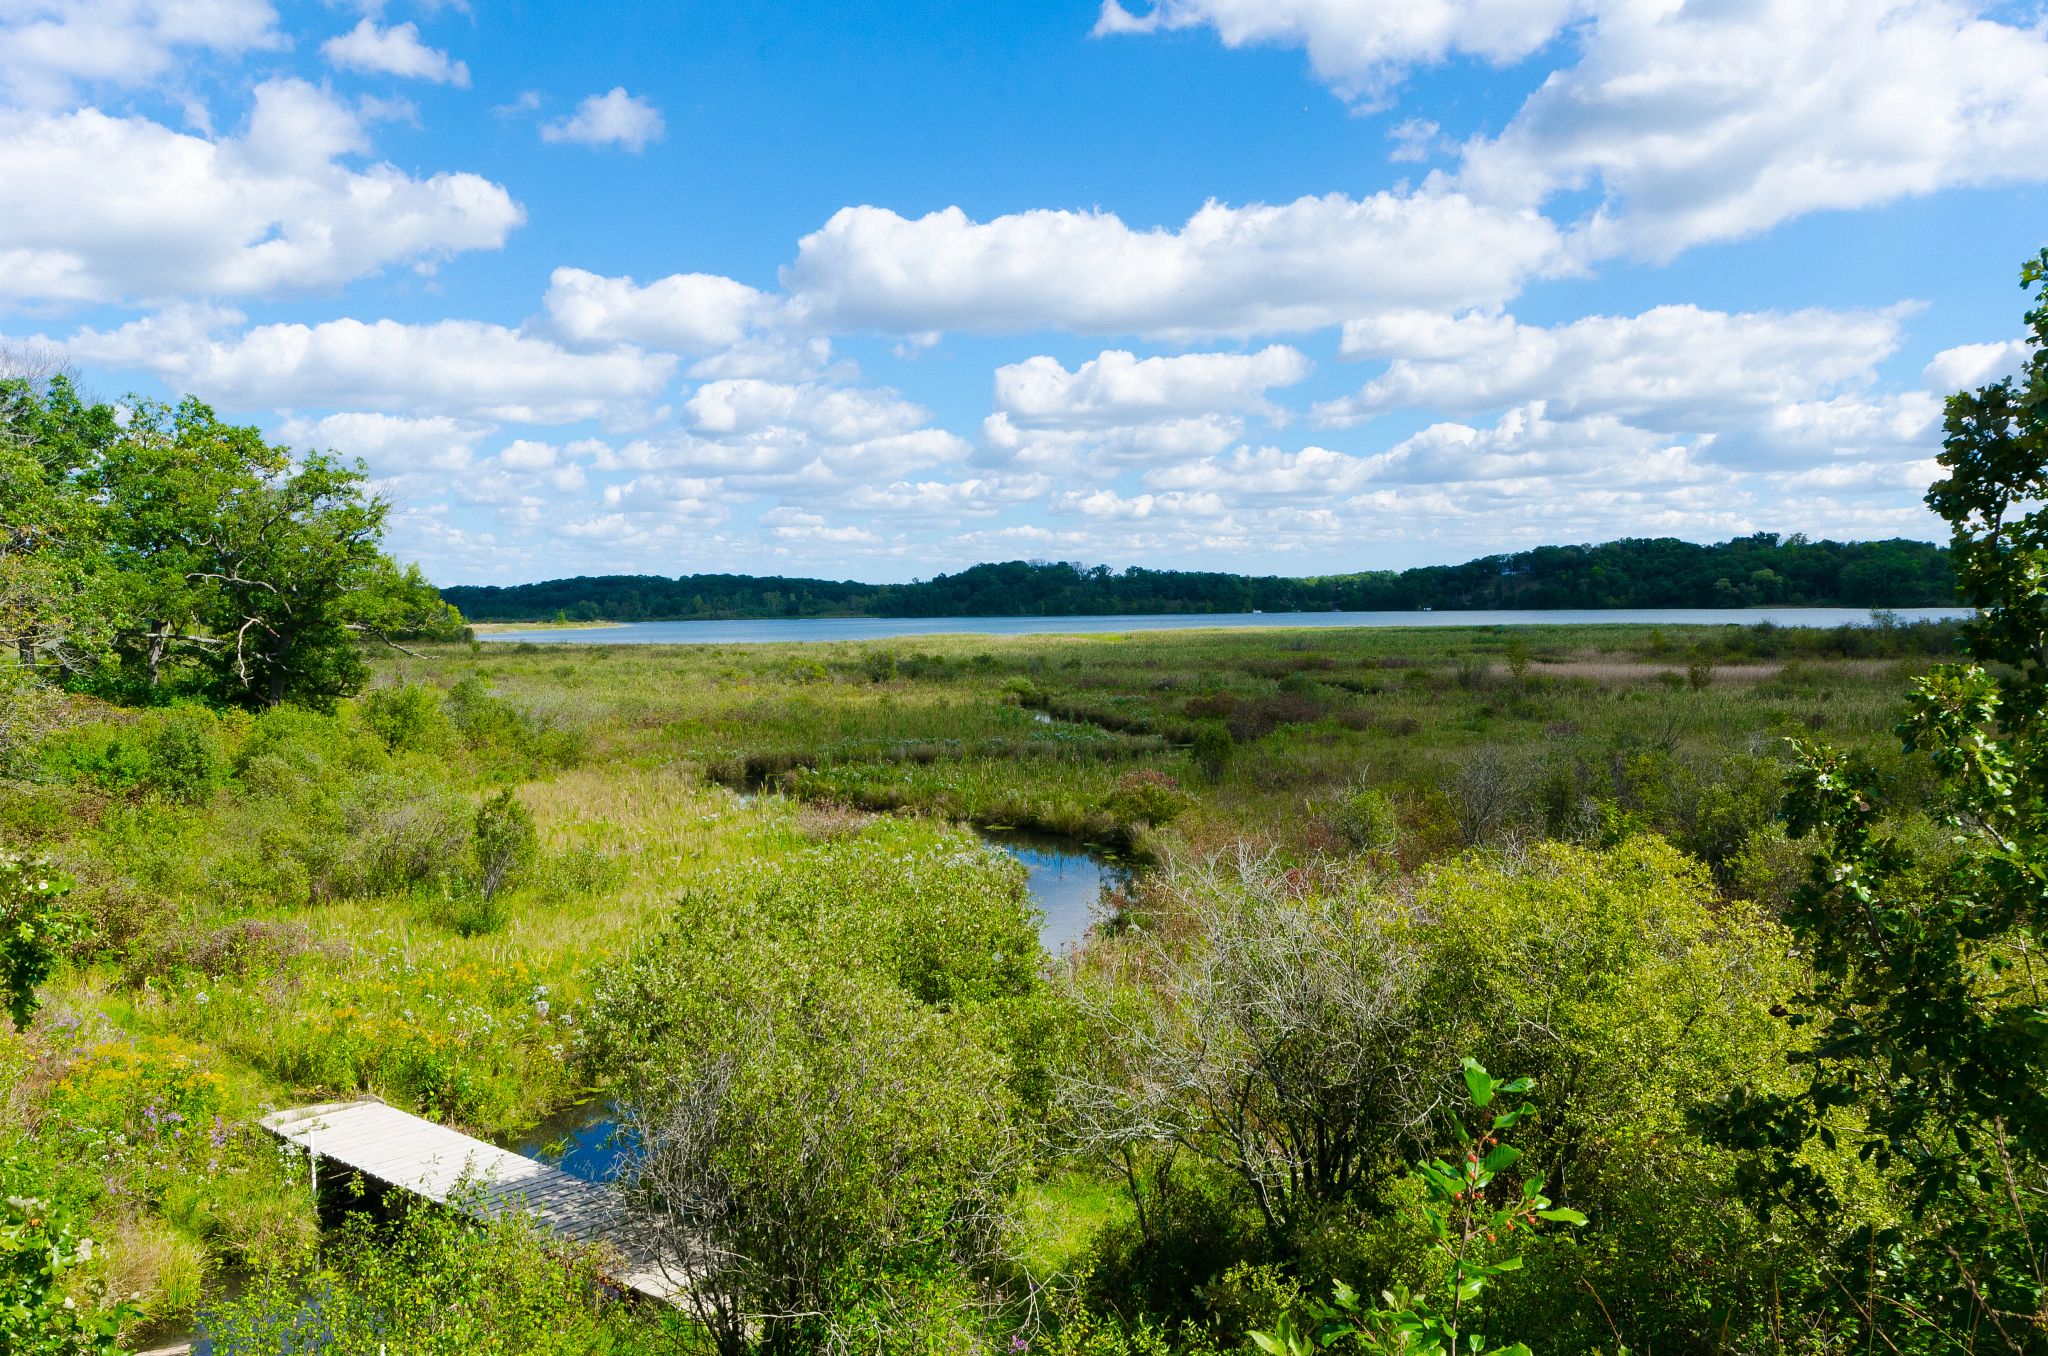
(159, 641)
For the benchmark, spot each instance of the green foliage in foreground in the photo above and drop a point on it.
(1264, 1050)
(823, 1062)
(33, 930)
(1471, 1239)
(434, 1284)
(41, 1311)
(1928, 1052)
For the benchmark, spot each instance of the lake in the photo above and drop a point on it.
(817, 629)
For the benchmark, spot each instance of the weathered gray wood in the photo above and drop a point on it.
(405, 1151)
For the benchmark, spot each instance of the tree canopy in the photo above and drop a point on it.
(157, 551)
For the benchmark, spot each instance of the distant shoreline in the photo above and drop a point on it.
(879, 629)
(505, 627)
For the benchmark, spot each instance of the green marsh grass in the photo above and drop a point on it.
(245, 919)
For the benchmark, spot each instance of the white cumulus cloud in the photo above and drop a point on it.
(1695, 122)
(615, 118)
(840, 415)
(396, 50)
(1303, 265)
(101, 208)
(1672, 366)
(1359, 48)
(50, 47)
(1712, 122)
(1968, 366)
(390, 444)
(685, 312)
(1077, 449)
(1118, 387)
(455, 367)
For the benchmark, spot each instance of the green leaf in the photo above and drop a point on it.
(1478, 1082)
(1562, 1216)
(1499, 1157)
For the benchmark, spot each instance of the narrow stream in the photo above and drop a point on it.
(1063, 876)
(1064, 879)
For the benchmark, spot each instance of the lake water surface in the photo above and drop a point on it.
(887, 628)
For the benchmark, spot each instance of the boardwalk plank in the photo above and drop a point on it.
(414, 1154)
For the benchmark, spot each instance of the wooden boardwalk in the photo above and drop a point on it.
(404, 1151)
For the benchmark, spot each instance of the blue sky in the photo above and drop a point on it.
(876, 291)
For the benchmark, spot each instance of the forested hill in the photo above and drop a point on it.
(1642, 572)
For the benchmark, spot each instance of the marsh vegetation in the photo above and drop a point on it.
(741, 888)
(1597, 988)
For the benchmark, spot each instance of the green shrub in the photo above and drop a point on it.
(1211, 751)
(508, 739)
(186, 760)
(42, 1310)
(503, 844)
(844, 1148)
(1474, 1232)
(435, 1284)
(1366, 818)
(111, 757)
(33, 930)
(1147, 797)
(290, 750)
(1736, 805)
(396, 833)
(1194, 1225)
(1292, 1030)
(29, 709)
(408, 717)
(464, 910)
(1699, 670)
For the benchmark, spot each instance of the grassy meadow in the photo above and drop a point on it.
(290, 907)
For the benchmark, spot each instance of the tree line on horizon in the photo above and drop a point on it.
(1761, 570)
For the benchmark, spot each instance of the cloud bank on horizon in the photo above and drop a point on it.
(1268, 285)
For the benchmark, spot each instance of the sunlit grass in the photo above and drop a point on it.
(1056, 1218)
(380, 994)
